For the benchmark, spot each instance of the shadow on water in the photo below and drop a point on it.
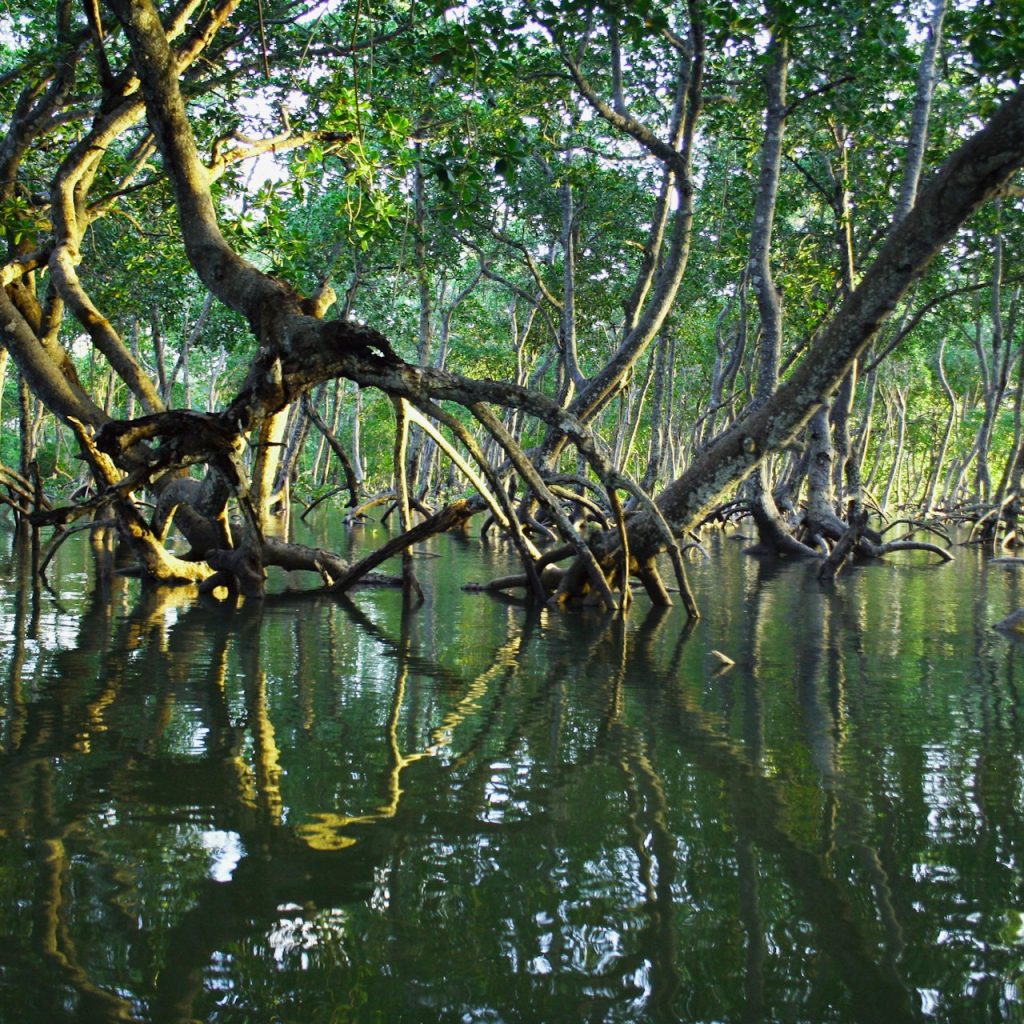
(304, 809)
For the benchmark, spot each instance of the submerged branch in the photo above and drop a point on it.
(448, 518)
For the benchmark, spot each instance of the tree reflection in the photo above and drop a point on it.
(345, 811)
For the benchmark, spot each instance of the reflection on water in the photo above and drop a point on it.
(311, 810)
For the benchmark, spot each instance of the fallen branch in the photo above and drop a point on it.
(448, 518)
(912, 545)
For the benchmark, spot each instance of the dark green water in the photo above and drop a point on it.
(314, 811)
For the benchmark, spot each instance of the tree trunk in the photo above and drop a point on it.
(659, 428)
(900, 414)
(917, 142)
(773, 532)
(940, 457)
(971, 175)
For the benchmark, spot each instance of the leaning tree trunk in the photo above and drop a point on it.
(971, 175)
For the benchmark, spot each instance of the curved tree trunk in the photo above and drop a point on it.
(773, 533)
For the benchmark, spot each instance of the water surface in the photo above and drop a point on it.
(308, 810)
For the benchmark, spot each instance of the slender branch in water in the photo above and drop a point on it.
(56, 542)
(446, 519)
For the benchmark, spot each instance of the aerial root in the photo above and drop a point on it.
(912, 545)
(22, 495)
(571, 585)
(351, 479)
(494, 494)
(918, 526)
(551, 504)
(653, 584)
(843, 547)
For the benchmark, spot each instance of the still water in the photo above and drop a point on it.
(310, 810)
